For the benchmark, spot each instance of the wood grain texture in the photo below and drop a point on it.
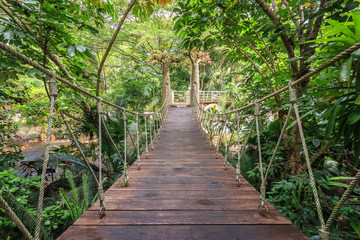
(182, 192)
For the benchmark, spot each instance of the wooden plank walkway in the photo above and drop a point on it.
(182, 192)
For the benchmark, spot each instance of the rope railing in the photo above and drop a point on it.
(153, 125)
(217, 124)
(210, 124)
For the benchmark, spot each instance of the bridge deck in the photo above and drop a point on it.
(182, 192)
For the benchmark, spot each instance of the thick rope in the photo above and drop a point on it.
(79, 147)
(100, 187)
(12, 215)
(338, 57)
(53, 95)
(146, 138)
(278, 142)
(226, 144)
(116, 149)
(293, 100)
(151, 136)
(262, 187)
(137, 142)
(238, 167)
(125, 149)
(324, 232)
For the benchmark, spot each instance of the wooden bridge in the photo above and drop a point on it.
(182, 192)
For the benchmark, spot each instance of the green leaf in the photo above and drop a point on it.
(340, 178)
(80, 48)
(345, 70)
(356, 19)
(357, 101)
(331, 122)
(353, 118)
(342, 28)
(302, 116)
(356, 228)
(8, 35)
(316, 142)
(71, 50)
(338, 184)
(357, 80)
(347, 40)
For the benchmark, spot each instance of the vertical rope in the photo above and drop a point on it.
(15, 219)
(262, 188)
(151, 136)
(116, 148)
(238, 169)
(100, 187)
(74, 139)
(146, 137)
(125, 150)
(53, 95)
(279, 141)
(308, 163)
(226, 143)
(325, 231)
(137, 142)
(218, 141)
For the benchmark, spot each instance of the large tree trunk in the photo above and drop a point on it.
(165, 80)
(195, 81)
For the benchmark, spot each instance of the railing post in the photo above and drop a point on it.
(125, 149)
(137, 142)
(146, 137)
(238, 169)
(100, 188)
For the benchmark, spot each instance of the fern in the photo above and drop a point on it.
(73, 203)
(26, 217)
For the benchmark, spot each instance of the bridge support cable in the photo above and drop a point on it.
(146, 137)
(221, 128)
(12, 215)
(53, 96)
(100, 187)
(137, 143)
(82, 154)
(263, 210)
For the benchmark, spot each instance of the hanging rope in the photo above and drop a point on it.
(137, 142)
(12, 215)
(116, 148)
(226, 144)
(293, 99)
(125, 150)
(263, 210)
(100, 187)
(79, 147)
(238, 169)
(146, 137)
(53, 95)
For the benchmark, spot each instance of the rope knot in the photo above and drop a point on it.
(293, 95)
(99, 105)
(257, 109)
(52, 84)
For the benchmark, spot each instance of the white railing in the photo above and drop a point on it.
(204, 96)
(211, 96)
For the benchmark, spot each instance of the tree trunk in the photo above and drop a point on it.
(165, 79)
(195, 81)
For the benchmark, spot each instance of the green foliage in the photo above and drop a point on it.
(75, 206)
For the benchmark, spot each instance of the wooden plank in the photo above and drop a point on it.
(185, 232)
(179, 187)
(128, 193)
(180, 217)
(182, 192)
(180, 204)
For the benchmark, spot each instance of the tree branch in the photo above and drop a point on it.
(111, 44)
